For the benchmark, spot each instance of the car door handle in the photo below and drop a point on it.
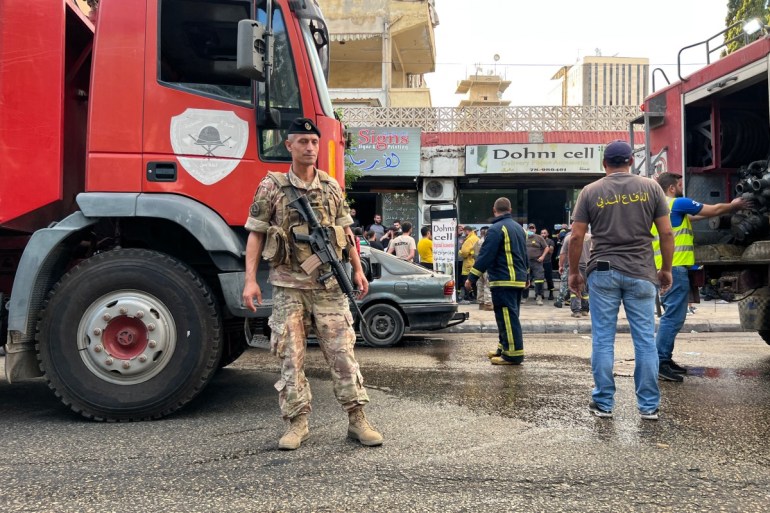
(161, 171)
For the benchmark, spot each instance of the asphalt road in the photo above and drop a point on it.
(461, 435)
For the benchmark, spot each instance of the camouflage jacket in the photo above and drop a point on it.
(270, 214)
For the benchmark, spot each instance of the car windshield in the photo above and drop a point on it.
(394, 265)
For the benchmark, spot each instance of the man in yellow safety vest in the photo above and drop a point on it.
(683, 212)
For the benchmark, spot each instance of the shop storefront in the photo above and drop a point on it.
(541, 180)
(389, 160)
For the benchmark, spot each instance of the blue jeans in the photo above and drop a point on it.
(675, 304)
(608, 289)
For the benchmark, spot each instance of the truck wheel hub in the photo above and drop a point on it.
(126, 337)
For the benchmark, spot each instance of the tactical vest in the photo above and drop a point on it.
(684, 253)
(281, 248)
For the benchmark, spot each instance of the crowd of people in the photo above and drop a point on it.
(636, 251)
(640, 246)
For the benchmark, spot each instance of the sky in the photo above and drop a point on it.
(535, 38)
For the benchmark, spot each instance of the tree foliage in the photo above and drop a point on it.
(741, 10)
(352, 171)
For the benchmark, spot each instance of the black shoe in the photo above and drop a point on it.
(558, 303)
(550, 296)
(653, 415)
(594, 408)
(677, 368)
(666, 373)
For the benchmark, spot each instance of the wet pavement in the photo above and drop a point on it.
(461, 435)
(709, 316)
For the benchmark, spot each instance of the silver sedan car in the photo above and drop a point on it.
(403, 297)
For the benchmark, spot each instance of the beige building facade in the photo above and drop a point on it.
(483, 91)
(603, 81)
(380, 51)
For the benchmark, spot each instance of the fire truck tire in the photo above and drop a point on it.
(234, 344)
(129, 334)
(765, 334)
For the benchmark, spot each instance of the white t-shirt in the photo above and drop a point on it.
(402, 246)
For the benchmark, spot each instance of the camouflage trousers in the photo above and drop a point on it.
(483, 292)
(325, 311)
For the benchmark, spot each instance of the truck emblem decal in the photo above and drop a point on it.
(209, 143)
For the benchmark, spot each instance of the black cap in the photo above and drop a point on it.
(303, 126)
(618, 152)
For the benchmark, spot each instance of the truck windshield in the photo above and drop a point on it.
(317, 42)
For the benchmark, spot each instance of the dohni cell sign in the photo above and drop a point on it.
(534, 158)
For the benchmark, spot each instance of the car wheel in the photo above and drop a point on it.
(383, 325)
(129, 334)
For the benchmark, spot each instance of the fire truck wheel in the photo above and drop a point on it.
(129, 334)
(765, 334)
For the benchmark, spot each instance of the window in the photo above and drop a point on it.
(284, 90)
(198, 40)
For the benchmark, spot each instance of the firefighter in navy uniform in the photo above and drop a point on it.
(503, 257)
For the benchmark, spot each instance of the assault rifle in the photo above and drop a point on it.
(323, 251)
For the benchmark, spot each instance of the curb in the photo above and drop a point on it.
(582, 327)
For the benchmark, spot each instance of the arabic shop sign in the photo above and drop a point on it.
(384, 151)
(534, 158)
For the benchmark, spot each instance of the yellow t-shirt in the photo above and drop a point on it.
(425, 250)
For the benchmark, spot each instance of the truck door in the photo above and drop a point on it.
(201, 136)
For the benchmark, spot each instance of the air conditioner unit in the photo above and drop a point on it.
(426, 215)
(436, 189)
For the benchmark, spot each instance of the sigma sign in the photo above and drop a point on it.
(382, 141)
(379, 151)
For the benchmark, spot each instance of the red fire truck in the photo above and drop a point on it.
(713, 127)
(131, 142)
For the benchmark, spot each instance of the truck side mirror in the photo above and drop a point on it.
(252, 50)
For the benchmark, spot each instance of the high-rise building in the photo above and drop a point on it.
(602, 81)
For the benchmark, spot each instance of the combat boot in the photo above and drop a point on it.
(295, 434)
(360, 429)
(499, 360)
(493, 354)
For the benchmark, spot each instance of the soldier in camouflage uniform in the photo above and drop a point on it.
(300, 301)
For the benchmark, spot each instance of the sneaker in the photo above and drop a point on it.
(692, 309)
(558, 303)
(576, 314)
(594, 408)
(666, 373)
(584, 313)
(677, 368)
(652, 415)
(523, 300)
(539, 300)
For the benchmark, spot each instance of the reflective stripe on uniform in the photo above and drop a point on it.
(508, 256)
(509, 336)
(508, 283)
(684, 251)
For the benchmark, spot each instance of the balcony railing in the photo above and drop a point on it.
(495, 119)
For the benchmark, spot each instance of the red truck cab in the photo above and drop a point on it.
(131, 144)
